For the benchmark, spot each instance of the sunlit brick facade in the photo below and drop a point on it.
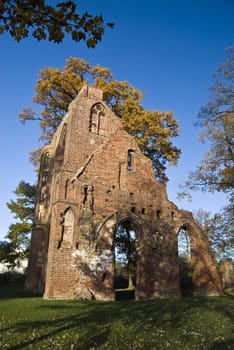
(92, 178)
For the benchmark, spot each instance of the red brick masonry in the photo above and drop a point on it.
(92, 178)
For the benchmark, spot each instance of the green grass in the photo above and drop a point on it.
(28, 322)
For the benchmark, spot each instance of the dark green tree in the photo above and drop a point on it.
(16, 246)
(21, 18)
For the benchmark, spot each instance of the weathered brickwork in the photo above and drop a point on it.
(226, 272)
(93, 177)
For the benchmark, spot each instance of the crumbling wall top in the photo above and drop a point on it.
(90, 91)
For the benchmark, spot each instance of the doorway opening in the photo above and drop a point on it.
(185, 262)
(125, 261)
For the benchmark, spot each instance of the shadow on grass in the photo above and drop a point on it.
(91, 317)
(14, 291)
(223, 345)
(121, 295)
(89, 324)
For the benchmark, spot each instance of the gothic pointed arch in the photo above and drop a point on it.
(130, 160)
(59, 156)
(201, 262)
(97, 122)
(45, 160)
(125, 258)
(185, 262)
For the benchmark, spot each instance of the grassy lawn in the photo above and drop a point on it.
(191, 323)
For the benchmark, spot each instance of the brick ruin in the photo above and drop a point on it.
(226, 272)
(93, 177)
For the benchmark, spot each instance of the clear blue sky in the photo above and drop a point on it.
(166, 48)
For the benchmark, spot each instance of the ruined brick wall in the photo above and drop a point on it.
(94, 177)
(226, 272)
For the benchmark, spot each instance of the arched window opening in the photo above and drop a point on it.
(184, 243)
(85, 193)
(125, 260)
(158, 214)
(130, 160)
(96, 123)
(45, 161)
(61, 148)
(44, 179)
(185, 265)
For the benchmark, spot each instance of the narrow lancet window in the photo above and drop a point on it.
(85, 194)
(61, 148)
(66, 188)
(130, 160)
(96, 123)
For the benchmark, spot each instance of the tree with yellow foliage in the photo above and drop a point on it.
(152, 130)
